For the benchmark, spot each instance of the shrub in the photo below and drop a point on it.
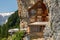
(18, 36)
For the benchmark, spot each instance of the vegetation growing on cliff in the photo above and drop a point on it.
(13, 22)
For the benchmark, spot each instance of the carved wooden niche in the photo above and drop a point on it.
(38, 12)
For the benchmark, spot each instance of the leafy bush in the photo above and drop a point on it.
(18, 36)
(4, 39)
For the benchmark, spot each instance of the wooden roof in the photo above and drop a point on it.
(39, 4)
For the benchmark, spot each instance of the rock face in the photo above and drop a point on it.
(55, 18)
(54, 11)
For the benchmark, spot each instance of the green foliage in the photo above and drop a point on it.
(4, 39)
(13, 22)
(4, 31)
(0, 31)
(18, 36)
